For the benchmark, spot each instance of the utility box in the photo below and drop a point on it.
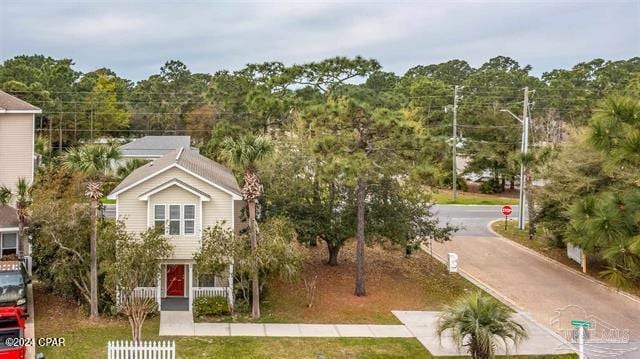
(453, 263)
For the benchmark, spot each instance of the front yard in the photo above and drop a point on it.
(393, 282)
(443, 196)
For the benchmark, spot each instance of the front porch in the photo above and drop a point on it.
(178, 286)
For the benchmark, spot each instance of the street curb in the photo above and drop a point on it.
(563, 266)
(502, 298)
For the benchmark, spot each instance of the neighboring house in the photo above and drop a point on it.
(152, 147)
(17, 121)
(184, 193)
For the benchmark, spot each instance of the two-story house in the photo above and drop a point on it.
(17, 121)
(184, 193)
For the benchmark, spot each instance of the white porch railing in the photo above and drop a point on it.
(121, 349)
(210, 292)
(140, 292)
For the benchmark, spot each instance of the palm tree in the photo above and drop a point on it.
(130, 166)
(246, 152)
(477, 322)
(23, 202)
(95, 162)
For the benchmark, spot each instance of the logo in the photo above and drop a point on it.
(601, 339)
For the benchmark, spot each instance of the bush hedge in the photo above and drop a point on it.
(211, 306)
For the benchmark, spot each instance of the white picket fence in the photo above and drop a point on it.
(139, 292)
(210, 292)
(121, 349)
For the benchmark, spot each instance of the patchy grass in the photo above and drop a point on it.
(445, 197)
(393, 282)
(543, 245)
(105, 200)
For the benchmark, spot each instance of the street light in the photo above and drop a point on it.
(524, 146)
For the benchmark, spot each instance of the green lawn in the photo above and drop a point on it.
(107, 201)
(445, 197)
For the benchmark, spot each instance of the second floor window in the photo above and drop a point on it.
(176, 219)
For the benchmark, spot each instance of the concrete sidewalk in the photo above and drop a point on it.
(181, 324)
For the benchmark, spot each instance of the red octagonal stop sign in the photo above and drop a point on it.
(506, 210)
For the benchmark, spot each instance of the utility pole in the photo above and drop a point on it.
(455, 141)
(524, 149)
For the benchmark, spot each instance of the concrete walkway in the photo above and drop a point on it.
(423, 326)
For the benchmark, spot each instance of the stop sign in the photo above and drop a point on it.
(506, 210)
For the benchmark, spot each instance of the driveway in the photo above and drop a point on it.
(547, 291)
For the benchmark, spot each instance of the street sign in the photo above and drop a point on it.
(506, 210)
(580, 323)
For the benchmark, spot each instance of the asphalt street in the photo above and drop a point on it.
(473, 220)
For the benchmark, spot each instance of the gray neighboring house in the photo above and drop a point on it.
(152, 147)
(17, 131)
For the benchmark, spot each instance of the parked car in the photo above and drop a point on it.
(12, 333)
(13, 284)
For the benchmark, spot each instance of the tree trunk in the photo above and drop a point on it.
(94, 259)
(24, 241)
(360, 198)
(512, 183)
(255, 285)
(530, 206)
(503, 183)
(333, 254)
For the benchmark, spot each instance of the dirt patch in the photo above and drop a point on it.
(393, 282)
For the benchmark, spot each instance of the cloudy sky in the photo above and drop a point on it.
(135, 38)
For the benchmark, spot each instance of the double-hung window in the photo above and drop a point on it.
(175, 219)
(9, 243)
(159, 217)
(189, 219)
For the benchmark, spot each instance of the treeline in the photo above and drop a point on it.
(267, 97)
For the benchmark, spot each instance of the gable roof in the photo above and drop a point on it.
(8, 217)
(175, 182)
(193, 163)
(12, 104)
(155, 146)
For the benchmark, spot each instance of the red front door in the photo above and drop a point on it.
(175, 280)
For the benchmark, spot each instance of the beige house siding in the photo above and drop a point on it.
(16, 148)
(136, 214)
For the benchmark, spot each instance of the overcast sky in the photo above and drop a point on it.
(134, 38)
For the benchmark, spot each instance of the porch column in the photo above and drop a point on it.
(230, 288)
(159, 288)
(190, 287)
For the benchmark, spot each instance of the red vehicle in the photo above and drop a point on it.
(12, 333)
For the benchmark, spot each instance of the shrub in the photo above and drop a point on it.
(491, 186)
(211, 306)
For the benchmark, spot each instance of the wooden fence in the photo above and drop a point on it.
(121, 349)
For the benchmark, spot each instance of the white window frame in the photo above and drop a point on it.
(2, 234)
(181, 220)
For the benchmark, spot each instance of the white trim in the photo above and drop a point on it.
(9, 229)
(167, 219)
(173, 182)
(21, 111)
(179, 153)
(233, 216)
(175, 165)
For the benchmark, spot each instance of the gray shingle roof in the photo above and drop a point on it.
(8, 217)
(193, 162)
(155, 146)
(12, 103)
